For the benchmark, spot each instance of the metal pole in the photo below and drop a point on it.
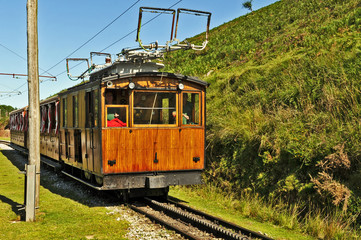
(34, 110)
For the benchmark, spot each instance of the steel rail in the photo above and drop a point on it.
(5, 142)
(221, 222)
(211, 227)
(163, 223)
(202, 221)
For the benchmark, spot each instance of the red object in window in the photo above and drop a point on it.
(49, 117)
(43, 119)
(116, 123)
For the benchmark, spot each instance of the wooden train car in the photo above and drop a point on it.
(130, 127)
(127, 128)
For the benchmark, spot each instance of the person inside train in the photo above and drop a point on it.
(109, 97)
(187, 110)
(113, 112)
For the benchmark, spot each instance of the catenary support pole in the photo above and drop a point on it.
(33, 168)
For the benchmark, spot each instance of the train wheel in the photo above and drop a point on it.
(99, 180)
(87, 176)
(126, 197)
(123, 195)
(165, 193)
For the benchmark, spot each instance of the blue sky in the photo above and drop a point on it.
(64, 26)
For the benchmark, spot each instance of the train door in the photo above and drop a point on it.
(77, 131)
(63, 130)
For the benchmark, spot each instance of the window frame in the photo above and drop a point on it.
(91, 108)
(155, 125)
(75, 100)
(114, 106)
(64, 112)
(199, 107)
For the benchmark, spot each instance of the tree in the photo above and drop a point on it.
(248, 5)
(5, 109)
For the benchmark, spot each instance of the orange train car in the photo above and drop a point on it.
(130, 127)
(136, 132)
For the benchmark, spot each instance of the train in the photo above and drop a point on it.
(130, 127)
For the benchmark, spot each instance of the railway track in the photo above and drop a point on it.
(5, 142)
(191, 223)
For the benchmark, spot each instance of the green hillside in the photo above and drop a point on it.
(284, 104)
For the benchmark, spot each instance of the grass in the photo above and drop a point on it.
(68, 214)
(284, 94)
(226, 208)
(5, 138)
(275, 218)
(62, 214)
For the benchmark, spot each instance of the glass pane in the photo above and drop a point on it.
(154, 107)
(52, 116)
(75, 111)
(191, 111)
(96, 110)
(65, 115)
(116, 96)
(116, 117)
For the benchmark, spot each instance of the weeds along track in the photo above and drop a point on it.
(191, 223)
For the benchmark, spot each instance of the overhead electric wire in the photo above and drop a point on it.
(10, 95)
(17, 89)
(46, 71)
(142, 26)
(15, 53)
(126, 35)
(94, 36)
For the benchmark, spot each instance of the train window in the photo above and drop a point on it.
(92, 110)
(88, 110)
(116, 115)
(154, 108)
(65, 113)
(191, 109)
(44, 118)
(75, 111)
(96, 106)
(21, 118)
(117, 96)
(51, 117)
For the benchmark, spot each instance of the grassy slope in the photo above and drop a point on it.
(285, 94)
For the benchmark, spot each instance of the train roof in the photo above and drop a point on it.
(18, 110)
(160, 74)
(137, 74)
(45, 101)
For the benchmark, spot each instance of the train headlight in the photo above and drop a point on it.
(181, 86)
(109, 84)
(131, 85)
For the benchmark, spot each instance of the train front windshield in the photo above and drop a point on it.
(151, 108)
(155, 108)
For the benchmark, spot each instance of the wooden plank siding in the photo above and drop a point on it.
(134, 151)
(89, 160)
